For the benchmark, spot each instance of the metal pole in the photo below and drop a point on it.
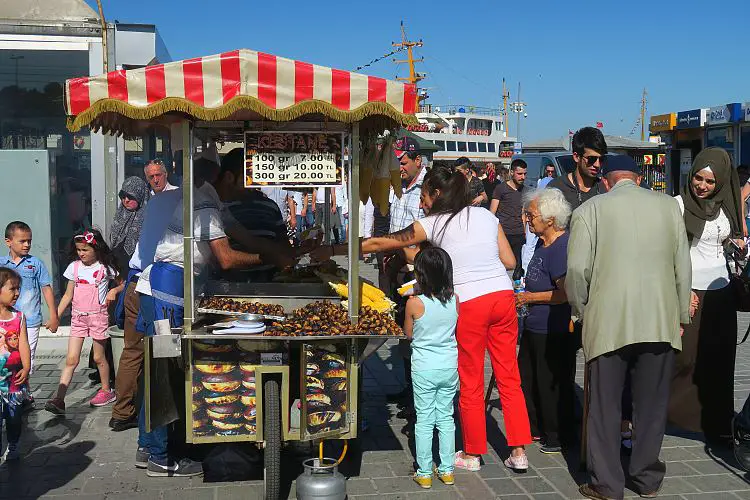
(104, 36)
(518, 115)
(353, 277)
(187, 223)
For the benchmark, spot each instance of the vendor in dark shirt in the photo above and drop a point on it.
(263, 227)
(589, 151)
(507, 206)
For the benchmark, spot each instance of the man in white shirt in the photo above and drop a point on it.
(156, 176)
(162, 301)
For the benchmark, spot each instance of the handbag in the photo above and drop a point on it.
(739, 280)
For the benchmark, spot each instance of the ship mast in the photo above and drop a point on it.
(643, 114)
(506, 96)
(414, 77)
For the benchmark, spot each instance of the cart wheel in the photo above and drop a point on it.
(272, 437)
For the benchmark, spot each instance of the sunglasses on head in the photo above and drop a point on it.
(591, 160)
(125, 196)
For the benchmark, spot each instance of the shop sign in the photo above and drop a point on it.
(724, 114)
(648, 159)
(663, 123)
(293, 159)
(694, 118)
(746, 111)
(661, 159)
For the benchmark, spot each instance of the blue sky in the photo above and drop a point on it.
(578, 61)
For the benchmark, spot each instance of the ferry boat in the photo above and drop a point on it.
(474, 132)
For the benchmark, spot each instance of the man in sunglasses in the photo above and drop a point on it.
(156, 176)
(549, 175)
(589, 155)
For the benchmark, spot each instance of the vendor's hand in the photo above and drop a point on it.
(52, 324)
(743, 246)
(522, 299)
(694, 303)
(111, 297)
(21, 377)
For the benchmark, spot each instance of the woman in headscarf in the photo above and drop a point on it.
(126, 226)
(702, 392)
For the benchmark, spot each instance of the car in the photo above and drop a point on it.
(537, 162)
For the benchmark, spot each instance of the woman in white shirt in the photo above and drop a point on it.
(702, 391)
(487, 317)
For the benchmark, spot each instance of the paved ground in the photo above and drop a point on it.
(79, 458)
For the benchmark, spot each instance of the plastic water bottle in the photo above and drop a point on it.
(519, 286)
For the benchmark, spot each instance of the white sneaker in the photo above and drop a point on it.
(520, 462)
(467, 463)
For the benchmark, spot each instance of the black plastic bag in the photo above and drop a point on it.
(232, 462)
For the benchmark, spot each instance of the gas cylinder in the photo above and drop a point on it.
(321, 480)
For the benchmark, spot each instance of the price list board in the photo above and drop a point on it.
(293, 159)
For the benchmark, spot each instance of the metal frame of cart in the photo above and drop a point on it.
(243, 91)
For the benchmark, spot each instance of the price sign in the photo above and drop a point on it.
(301, 168)
(293, 159)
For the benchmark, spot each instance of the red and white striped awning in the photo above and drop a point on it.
(224, 86)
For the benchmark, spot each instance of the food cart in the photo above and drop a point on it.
(301, 125)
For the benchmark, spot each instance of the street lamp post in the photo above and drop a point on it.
(518, 107)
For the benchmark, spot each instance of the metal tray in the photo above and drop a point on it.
(204, 335)
(318, 291)
(203, 310)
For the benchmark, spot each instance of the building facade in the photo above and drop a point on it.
(685, 133)
(43, 43)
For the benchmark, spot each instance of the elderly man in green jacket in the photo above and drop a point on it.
(628, 279)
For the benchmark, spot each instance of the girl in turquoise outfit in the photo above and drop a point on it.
(431, 324)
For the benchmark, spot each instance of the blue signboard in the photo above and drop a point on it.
(694, 118)
(724, 114)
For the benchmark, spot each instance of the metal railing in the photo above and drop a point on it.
(459, 108)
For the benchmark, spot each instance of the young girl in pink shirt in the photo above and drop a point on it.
(89, 277)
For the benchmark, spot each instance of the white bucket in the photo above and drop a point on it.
(117, 338)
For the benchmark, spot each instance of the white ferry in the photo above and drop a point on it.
(471, 131)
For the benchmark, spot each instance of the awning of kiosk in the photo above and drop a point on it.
(242, 84)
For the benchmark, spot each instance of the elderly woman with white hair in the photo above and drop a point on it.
(547, 355)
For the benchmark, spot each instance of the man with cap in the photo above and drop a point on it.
(394, 271)
(632, 309)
